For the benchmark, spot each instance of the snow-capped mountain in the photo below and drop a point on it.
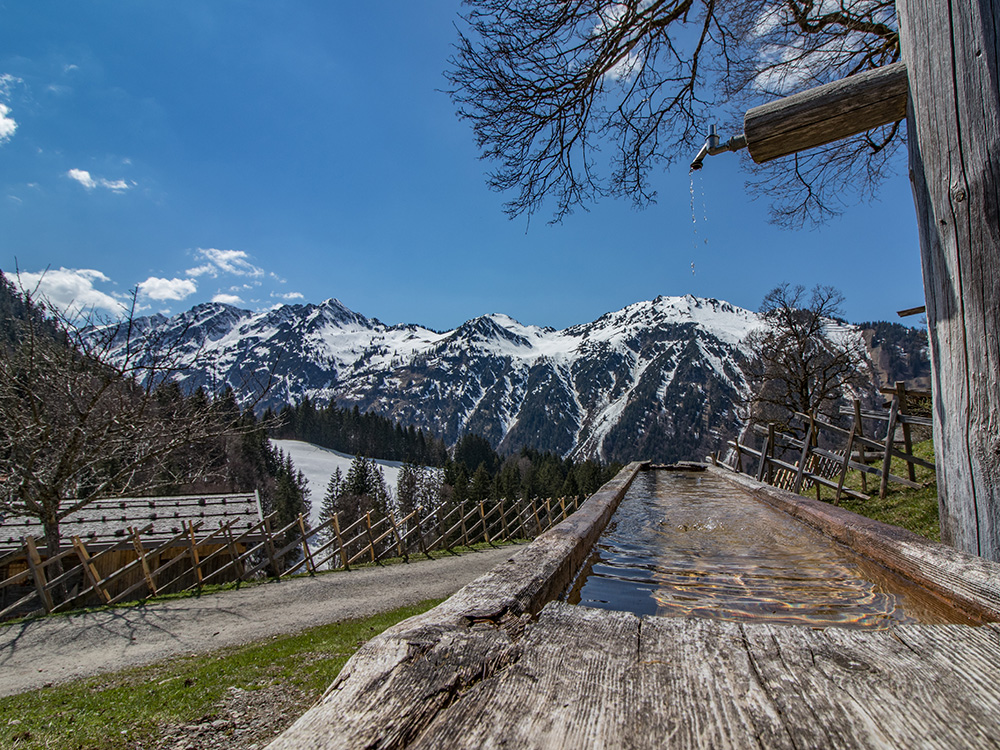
(656, 379)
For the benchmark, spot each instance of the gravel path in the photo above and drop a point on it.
(55, 649)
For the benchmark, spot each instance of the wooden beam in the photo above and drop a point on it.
(826, 113)
(912, 311)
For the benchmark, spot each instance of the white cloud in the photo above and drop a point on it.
(7, 124)
(227, 299)
(224, 261)
(289, 296)
(164, 289)
(84, 178)
(70, 290)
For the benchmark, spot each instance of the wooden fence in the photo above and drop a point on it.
(797, 464)
(78, 576)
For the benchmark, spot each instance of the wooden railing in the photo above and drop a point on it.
(798, 463)
(129, 570)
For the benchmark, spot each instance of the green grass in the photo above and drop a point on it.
(128, 709)
(916, 510)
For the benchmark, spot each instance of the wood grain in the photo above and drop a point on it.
(826, 113)
(951, 51)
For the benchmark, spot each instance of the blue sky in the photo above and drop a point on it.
(260, 152)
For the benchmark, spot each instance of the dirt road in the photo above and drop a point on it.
(56, 649)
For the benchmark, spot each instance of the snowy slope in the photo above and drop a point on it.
(319, 464)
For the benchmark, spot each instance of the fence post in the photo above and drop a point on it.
(420, 536)
(538, 523)
(371, 539)
(844, 466)
(195, 560)
(234, 554)
(38, 574)
(806, 445)
(765, 449)
(306, 552)
(465, 531)
(887, 456)
(143, 562)
(907, 442)
(503, 522)
(340, 542)
(89, 570)
(269, 547)
(864, 452)
(399, 538)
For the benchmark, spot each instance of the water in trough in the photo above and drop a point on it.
(686, 543)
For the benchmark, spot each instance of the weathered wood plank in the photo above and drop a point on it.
(394, 686)
(551, 696)
(826, 113)
(953, 65)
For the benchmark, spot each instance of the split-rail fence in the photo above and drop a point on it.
(799, 463)
(36, 583)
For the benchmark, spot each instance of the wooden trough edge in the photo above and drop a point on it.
(394, 686)
(966, 581)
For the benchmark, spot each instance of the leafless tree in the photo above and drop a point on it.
(547, 83)
(77, 424)
(798, 364)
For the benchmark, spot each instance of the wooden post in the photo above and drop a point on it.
(234, 554)
(89, 570)
(950, 51)
(465, 532)
(538, 523)
(420, 536)
(562, 504)
(907, 442)
(399, 539)
(486, 531)
(803, 458)
(269, 547)
(503, 522)
(887, 456)
(762, 466)
(846, 464)
(861, 433)
(195, 559)
(140, 553)
(38, 574)
(371, 538)
(340, 542)
(306, 552)
(548, 514)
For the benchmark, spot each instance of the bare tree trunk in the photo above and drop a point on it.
(951, 49)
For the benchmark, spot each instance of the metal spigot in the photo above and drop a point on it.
(712, 146)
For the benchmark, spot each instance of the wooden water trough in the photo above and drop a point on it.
(505, 663)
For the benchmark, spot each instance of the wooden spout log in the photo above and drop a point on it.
(826, 113)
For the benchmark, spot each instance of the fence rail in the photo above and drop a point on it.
(793, 463)
(131, 569)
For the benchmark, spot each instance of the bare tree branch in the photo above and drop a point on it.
(547, 83)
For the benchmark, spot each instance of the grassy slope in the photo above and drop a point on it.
(916, 510)
(128, 709)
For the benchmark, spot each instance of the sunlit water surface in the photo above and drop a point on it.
(685, 543)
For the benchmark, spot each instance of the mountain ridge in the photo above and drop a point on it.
(656, 379)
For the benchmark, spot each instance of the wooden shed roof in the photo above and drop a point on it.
(106, 522)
